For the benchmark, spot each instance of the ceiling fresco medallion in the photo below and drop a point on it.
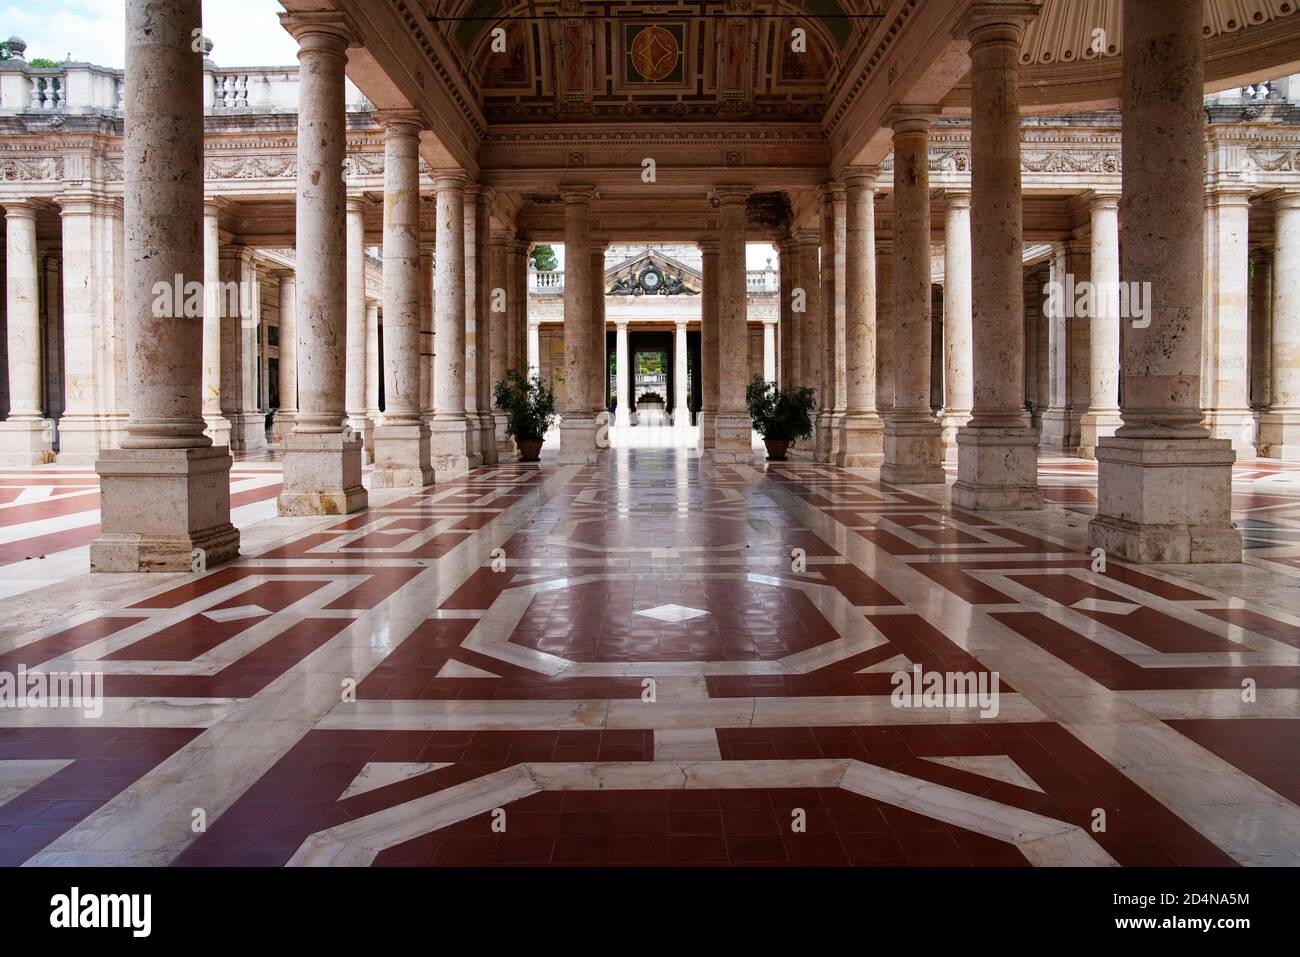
(654, 53)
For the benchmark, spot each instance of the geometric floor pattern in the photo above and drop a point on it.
(658, 660)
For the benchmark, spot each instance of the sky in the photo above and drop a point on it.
(243, 32)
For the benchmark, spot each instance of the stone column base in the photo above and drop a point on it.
(681, 416)
(1235, 425)
(26, 442)
(733, 438)
(322, 475)
(1165, 501)
(861, 443)
(1279, 435)
(1093, 427)
(913, 453)
(217, 428)
(449, 446)
(1057, 424)
(473, 440)
(997, 469)
(507, 451)
(248, 431)
(708, 429)
(163, 510)
(949, 424)
(402, 456)
(281, 426)
(823, 446)
(488, 438)
(83, 437)
(578, 439)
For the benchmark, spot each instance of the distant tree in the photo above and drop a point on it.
(42, 61)
(543, 258)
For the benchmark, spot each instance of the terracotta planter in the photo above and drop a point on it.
(530, 450)
(776, 449)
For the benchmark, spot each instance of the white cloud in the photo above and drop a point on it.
(243, 32)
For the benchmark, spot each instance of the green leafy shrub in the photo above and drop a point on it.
(779, 413)
(528, 404)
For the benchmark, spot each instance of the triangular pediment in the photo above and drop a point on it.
(652, 273)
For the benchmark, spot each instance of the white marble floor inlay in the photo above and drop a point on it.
(378, 774)
(458, 669)
(236, 614)
(999, 767)
(17, 776)
(672, 613)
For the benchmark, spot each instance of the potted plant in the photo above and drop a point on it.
(780, 416)
(530, 409)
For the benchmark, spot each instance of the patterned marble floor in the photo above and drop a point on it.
(655, 661)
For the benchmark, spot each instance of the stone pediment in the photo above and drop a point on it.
(652, 274)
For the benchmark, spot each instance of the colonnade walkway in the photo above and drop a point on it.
(657, 659)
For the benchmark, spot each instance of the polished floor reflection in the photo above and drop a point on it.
(656, 660)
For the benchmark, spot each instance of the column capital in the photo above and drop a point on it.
(1103, 199)
(992, 22)
(956, 199)
(216, 206)
(285, 276)
(1228, 195)
(578, 195)
(732, 195)
(811, 236)
(446, 180)
(324, 31)
(486, 195)
(860, 177)
(710, 246)
(400, 123)
(358, 202)
(1287, 200)
(905, 118)
(20, 209)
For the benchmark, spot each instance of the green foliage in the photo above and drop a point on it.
(779, 413)
(543, 258)
(41, 61)
(651, 363)
(529, 405)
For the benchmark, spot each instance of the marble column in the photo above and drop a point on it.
(92, 329)
(1164, 486)
(322, 461)
(1079, 321)
(26, 436)
(622, 378)
(997, 451)
(1261, 329)
(809, 326)
(502, 305)
(426, 338)
(451, 427)
(834, 309)
(862, 432)
(732, 429)
(599, 361)
(402, 440)
(1055, 433)
(710, 269)
(165, 495)
(1102, 415)
(218, 426)
(517, 301)
(769, 348)
(483, 323)
(1227, 411)
(235, 304)
(372, 375)
(359, 357)
(682, 375)
(1279, 427)
(913, 447)
(958, 387)
(288, 362)
(884, 332)
(788, 278)
(534, 349)
(578, 425)
(472, 283)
